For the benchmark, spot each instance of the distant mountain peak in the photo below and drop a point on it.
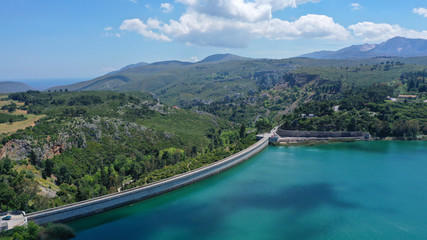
(366, 47)
(394, 47)
(130, 66)
(223, 58)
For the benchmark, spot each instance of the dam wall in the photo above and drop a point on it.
(321, 134)
(115, 200)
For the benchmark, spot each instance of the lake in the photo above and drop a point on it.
(359, 190)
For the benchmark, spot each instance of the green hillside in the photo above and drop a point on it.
(177, 83)
(92, 143)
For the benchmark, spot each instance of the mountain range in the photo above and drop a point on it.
(227, 75)
(395, 47)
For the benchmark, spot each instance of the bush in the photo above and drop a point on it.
(56, 232)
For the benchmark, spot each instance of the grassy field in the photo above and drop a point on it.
(7, 128)
(11, 128)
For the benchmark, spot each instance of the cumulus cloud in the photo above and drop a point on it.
(234, 23)
(167, 7)
(145, 29)
(108, 28)
(374, 32)
(420, 11)
(355, 6)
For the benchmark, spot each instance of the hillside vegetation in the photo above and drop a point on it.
(94, 143)
(180, 83)
(90, 143)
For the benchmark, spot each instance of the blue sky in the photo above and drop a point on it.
(87, 38)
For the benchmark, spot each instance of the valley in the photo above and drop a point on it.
(148, 122)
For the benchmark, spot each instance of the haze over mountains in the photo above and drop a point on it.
(395, 47)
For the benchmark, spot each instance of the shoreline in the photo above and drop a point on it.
(311, 142)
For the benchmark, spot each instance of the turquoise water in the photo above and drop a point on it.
(360, 190)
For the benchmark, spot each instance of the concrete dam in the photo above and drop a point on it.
(115, 200)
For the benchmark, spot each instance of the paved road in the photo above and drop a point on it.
(17, 220)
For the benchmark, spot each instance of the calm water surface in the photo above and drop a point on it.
(361, 190)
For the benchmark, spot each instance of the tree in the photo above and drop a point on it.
(33, 158)
(57, 232)
(6, 165)
(29, 232)
(11, 120)
(242, 130)
(48, 167)
(12, 107)
(263, 125)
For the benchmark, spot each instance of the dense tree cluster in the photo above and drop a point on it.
(109, 146)
(363, 109)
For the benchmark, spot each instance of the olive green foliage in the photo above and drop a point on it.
(4, 117)
(352, 86)
(32, 231)
(17, 190)
(56, 232)
(228, 143)
(263, 125)
(364, 109)
(108, 140)
(177, 83)
(29, 232)
(415, 82)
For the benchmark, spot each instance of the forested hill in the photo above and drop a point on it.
(93, 143)
(217, 78)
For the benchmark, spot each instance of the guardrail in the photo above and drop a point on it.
(114, 200)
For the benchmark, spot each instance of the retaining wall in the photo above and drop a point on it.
(111, 201)
(321, 134)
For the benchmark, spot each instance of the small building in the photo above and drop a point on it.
(336, 108)
(407, 97)
(274, 138)
(3, 226)
(308, 115)
(391, 99)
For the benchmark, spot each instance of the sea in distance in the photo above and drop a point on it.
(43, 84)
(359, 190)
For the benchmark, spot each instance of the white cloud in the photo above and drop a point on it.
(108, 32)
(374, 32)
(136, 25)
(167, 7)
(134, 1)
(355, 6)
(194, 59)
(234, 23)
(241, 9)
(420, 11)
